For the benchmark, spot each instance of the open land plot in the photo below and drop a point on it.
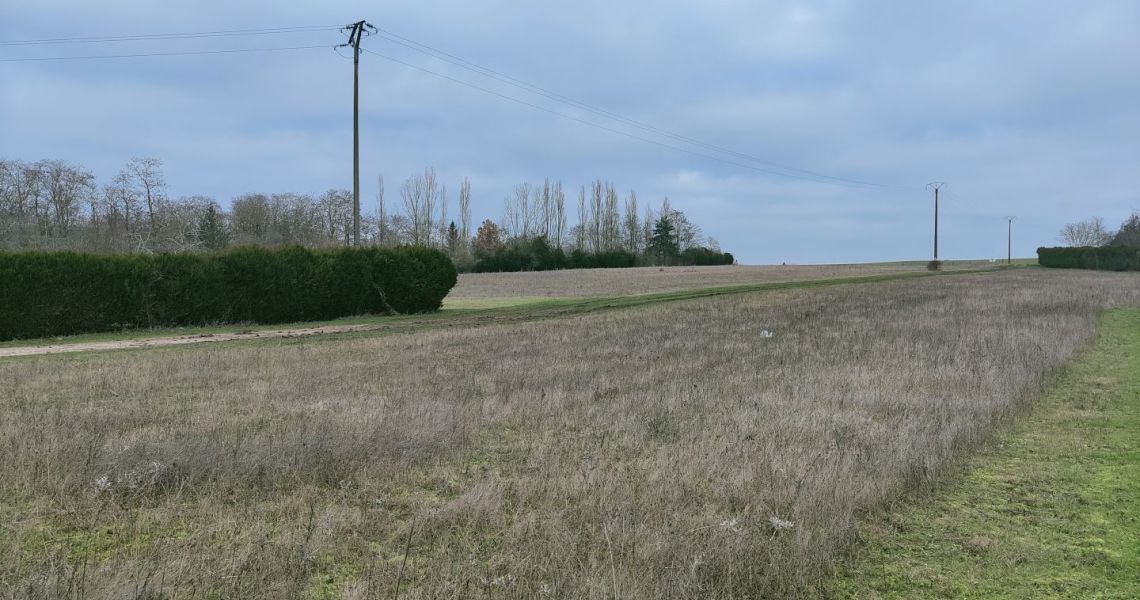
(674, 450)
(1050, 509)
(463, 312)
(480, 289)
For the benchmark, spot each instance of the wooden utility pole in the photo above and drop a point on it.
(356, 32)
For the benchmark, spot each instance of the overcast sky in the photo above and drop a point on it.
(1025, 108)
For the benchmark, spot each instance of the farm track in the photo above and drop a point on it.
(533, 311)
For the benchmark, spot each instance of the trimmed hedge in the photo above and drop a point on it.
(62, 293)
(706, 257)
(537, 254)
(1107, 258)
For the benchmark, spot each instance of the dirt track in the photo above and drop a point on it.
(179, 340)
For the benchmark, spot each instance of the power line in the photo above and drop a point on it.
(595, 125)
(529, 87)
(170, 36)
(148, 54)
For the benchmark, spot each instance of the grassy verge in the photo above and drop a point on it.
(485, 310)
(1051, 510)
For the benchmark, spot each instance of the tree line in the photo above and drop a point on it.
(55, 205)
(1094, 234)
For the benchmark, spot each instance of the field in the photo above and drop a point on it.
(724, 446)
(497, 287)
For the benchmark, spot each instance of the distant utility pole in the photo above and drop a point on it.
(936, 186)
(1009, 241)
(356, 32)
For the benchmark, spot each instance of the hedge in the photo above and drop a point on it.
(537, 254)
(706, 257)
(62, 293)
(1107, 258)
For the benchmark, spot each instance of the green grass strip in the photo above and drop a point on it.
(1051, 510)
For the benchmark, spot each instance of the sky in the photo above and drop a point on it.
(1024, 108)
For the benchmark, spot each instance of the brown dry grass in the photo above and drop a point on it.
(644, 280)
(653, 452)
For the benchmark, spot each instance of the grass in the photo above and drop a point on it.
(1051, 510)
(653, 451)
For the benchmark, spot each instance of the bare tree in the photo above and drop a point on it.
(517, 217)
(335, 207)
(611, 220)
(66, 189)
(547, 212)
(441, 227)
(420, 193)
(1086, 233)
(594, 232)
(145, 177)
(382, 225)
(632, 233)
(465, 216)
(559, 200)
(583, 216)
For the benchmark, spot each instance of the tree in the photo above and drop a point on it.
(632, 233)
(465, 216)
(579, 230)
(516, 212)
(144, 175)
(211, 233)
(663, 244)
(336, 214)
(559, 225)
(1085, 233)
(383, 231)
(488, 238)
(420, 194)
(1129, 234)
(453, 240)
(611, 220)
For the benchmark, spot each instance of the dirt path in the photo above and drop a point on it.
(179, 340)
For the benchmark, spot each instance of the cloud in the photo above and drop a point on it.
(1025, 108)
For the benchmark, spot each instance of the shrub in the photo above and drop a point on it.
(934, 265)
(1106, 258)
(63, 293)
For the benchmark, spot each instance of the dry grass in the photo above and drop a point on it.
(672, 451)
(644, 280)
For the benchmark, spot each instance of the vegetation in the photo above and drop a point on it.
(1093, 234)
(61, 293)
(522, 459)
(52, 205)
(1108, 258)
(1049, 511)
(1085, 234)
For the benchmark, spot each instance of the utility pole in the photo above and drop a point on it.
(1009, 241)
(936, 186)
(356, 32)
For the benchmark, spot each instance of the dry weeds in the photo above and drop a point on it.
(673, 451)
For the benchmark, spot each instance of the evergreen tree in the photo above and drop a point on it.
(212, 234)
(1129, 234)
(663, 244)
(453, 240)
